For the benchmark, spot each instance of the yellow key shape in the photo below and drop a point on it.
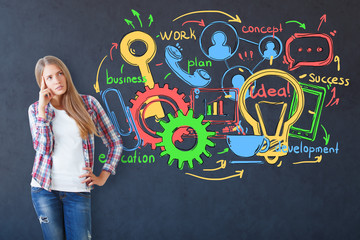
(143, 63)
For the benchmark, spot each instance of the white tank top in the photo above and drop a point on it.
(67, 156)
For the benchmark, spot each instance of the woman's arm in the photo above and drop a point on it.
(112, 141)
(39, 124)
(40, 131)
(110, 137)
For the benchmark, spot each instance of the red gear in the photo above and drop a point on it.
(156, 91)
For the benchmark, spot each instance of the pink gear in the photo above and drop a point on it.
(140, 100)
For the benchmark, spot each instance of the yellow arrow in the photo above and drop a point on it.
(239, 174)
(318, 160)
(96, 85)
(232, 19)
(223, 165)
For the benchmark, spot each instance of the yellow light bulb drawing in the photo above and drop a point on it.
(279, 141)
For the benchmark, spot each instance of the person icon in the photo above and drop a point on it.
(270, 51)
(235, 77)
(237, 82)
(219, 51)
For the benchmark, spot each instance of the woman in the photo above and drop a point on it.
(63, 124)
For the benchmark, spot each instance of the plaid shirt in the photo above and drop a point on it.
(43, 140)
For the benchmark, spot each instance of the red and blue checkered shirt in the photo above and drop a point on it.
(43, 140)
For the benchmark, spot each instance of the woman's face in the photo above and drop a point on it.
(55, 79)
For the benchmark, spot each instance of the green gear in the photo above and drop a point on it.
(185, 155)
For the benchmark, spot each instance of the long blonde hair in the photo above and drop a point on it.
(71, 100)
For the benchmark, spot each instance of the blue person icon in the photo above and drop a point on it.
(219, 51)
(270, 50)
(237, 75)
(237, 82)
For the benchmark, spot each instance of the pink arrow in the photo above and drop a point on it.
(333, 97)
(201, 23)
(114, 45)
(323, 19)
(335, 102)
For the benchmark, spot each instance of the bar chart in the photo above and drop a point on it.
(214, 108)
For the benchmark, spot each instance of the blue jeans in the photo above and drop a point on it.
(63, 215)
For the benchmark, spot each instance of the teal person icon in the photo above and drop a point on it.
(219, 51)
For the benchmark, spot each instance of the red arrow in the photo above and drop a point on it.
(114, 45)
(336, 102)
(333, 97)
(201, 23)
(323, 19)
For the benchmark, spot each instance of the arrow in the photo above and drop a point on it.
(114, 45)
(136, 14)
(327, 136)
(201, 23)
(333, 96)
(225, 151)
(323, 19)
(129, 23)
(223, 165)
(239, 174)
(302, 25)
(335, 102)
(150, 19)
(232, 19)
(318, 160)
(96, 85)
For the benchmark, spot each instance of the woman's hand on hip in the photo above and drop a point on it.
(91, 179)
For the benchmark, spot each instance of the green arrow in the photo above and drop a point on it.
(327, 136)
(129, 23)
(136, 14)
(225, 151)
(151, 19)
(302, 25)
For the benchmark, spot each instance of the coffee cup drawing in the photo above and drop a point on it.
(247, 146)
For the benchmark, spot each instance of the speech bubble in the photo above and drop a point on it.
(315, 38)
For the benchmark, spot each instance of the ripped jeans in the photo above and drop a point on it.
(63, 215)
